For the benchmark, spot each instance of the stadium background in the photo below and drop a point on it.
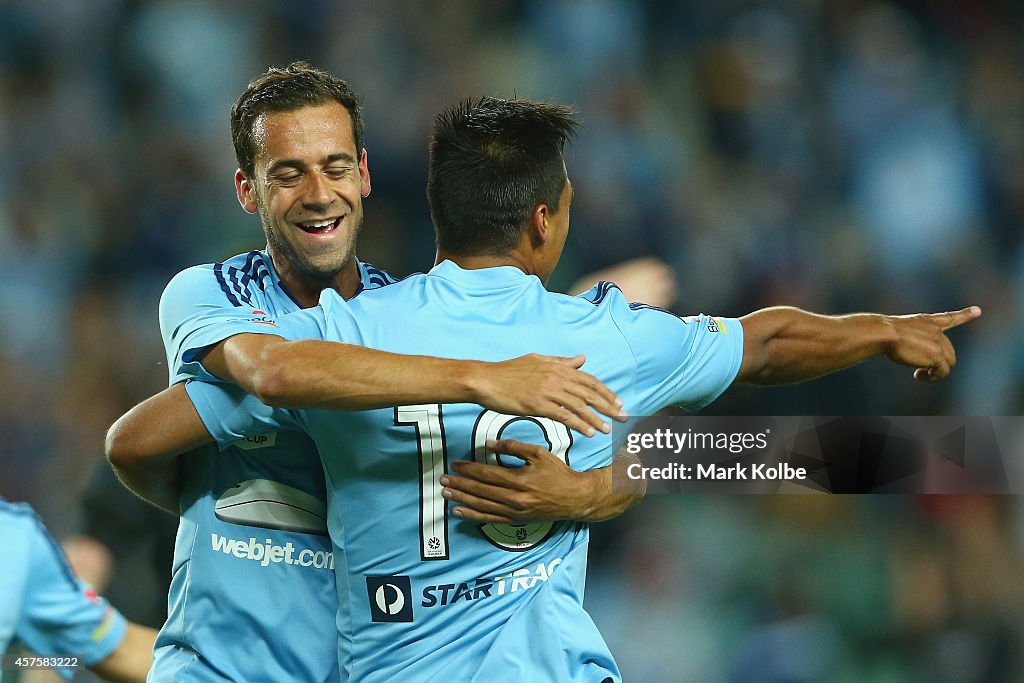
(837, 156)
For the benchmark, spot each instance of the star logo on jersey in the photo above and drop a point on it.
(521, 534)
(434, 542)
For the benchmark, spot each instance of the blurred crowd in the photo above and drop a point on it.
(836, 156)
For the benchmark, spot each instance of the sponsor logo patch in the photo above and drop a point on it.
(250, 443)
(390, 598)
(266, 553)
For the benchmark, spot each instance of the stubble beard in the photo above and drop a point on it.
(300, 263)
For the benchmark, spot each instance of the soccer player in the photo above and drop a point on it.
(252, 592)
(47, 608)
(427, 595)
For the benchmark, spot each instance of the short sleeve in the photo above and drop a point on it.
(679, 361)
(231, 415)
(196, 311)
(308, 323)
(62, 615)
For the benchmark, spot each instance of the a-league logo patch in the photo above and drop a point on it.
(390, 598)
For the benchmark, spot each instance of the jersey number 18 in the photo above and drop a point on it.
(428, 421)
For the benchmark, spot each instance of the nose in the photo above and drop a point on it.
(317, 195)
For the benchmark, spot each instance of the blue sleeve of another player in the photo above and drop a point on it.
(62, 615)
(679, 361)
(230, 414)
(196, 312)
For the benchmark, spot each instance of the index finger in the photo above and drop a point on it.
(954, 318)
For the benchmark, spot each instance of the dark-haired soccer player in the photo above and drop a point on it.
(252, 594)
(427, 596)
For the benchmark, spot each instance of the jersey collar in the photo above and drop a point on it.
(482, 278)
(275, 279)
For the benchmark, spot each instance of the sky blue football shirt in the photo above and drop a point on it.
(42, 603)
(252, 593)
(425, 596)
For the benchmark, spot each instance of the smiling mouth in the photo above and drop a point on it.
(321, 227)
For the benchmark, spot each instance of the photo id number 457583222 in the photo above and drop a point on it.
(24, 662)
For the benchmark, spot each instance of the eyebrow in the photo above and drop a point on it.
(297, 164)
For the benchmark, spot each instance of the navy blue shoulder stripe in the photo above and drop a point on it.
(383, 281)
(235, 278)
(218, 270)
(234, 282)
(255, 271)
(373, 271)
(250, 258)
(262, 275)
(247, 270)
(603, 288)
(23, 510)
(58, 553)
(638, 306)
(378, 277)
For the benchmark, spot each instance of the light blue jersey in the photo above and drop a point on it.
(425, 596)
(42, 603)
(252, 595)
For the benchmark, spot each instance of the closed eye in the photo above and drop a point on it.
(338, 171)
(288, 178)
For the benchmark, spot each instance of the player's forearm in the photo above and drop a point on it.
(312, 373)
(333, 375)
(784, 345)
(131, 661)
(614, 491)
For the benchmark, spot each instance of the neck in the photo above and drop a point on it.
(305, 288)
(477, 261)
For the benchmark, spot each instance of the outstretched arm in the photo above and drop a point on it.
(543, 489)
(783, 345)
(143, 445)
(312, 373)
(780, 345)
